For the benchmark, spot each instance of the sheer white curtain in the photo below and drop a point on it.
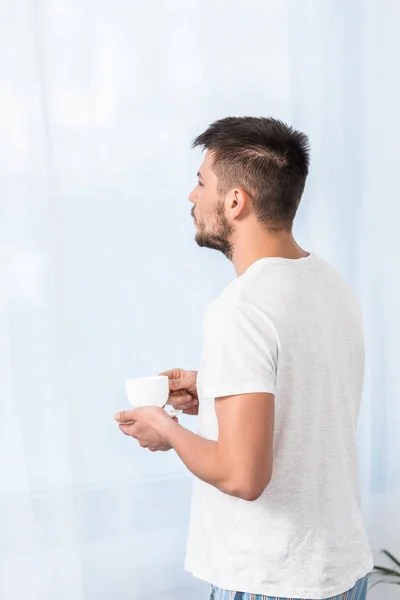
(100, 278)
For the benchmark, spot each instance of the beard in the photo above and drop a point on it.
(220, 238)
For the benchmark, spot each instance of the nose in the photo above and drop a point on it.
(193, 196)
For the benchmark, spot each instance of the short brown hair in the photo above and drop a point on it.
(266, 158)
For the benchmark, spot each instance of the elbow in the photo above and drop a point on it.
(246, 489)
(249, 494)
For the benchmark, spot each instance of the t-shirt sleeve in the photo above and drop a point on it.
(240, 352)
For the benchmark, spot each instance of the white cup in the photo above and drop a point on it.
(147, 391)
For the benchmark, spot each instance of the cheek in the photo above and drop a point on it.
(205, 204)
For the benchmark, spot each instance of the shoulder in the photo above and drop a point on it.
(343, 288)
(239, 303)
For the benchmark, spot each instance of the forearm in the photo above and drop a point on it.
(202, 457)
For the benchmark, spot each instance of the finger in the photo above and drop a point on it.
(129, 430)
(188, 405)
(179, 400)
(179, 393)
(126, 416)
(172, 373)
(180, 384)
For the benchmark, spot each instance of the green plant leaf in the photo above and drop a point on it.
(383, 581)
(391, 557)
(386, 571)
(389, 575)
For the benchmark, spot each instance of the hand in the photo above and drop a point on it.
(146, 425)
(183, 390)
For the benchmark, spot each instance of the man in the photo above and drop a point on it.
(275, 508)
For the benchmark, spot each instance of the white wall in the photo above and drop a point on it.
(100, 278)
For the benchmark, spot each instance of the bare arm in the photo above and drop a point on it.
(240, 371)
(240, 462)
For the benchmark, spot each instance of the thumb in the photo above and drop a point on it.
(126, 415)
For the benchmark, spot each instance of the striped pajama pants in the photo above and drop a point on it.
(358, 592)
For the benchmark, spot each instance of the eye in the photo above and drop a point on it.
(200, 184)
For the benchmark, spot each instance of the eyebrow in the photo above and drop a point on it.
(200, 175)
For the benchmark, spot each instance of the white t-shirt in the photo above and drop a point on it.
(291, 328)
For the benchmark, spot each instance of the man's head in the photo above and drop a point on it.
(254, 168)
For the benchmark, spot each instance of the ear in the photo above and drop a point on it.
(237, 203)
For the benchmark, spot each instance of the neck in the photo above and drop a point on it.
(257, 244)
